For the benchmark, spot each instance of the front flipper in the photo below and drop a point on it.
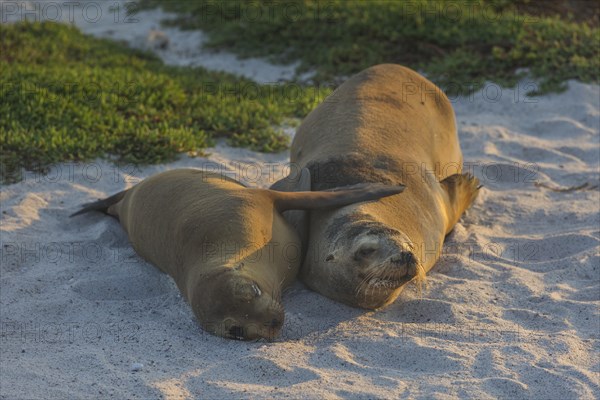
(103, 205)
(461, 190)
(297, 218)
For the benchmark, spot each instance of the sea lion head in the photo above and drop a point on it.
(364, 262)
(235, 305)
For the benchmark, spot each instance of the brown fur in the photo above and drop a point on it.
(227, 247)
(390, 125)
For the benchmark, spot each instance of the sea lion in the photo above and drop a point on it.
(226, 246)
(390, 125)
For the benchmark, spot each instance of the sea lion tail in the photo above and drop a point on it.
(100, 205)
(333, 198)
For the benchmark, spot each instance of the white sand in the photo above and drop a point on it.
(109, 19)
(512, 309)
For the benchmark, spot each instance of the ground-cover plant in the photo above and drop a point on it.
(459, 44)
(67, 96)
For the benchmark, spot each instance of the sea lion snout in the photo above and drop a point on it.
(405, 260)
(384, 259)
(393, 261)
(253, 327)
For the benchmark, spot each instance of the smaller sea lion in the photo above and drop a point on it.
(227, 246)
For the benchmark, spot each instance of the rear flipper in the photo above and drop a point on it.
(101, 205)
(461, 190)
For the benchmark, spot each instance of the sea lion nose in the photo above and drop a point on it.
(276, 321)
(405, 259)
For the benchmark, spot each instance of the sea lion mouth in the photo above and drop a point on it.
(375, 290)
(236, 332)
(386, 283)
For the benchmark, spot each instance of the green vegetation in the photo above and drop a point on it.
(459, 44)
(67, 96)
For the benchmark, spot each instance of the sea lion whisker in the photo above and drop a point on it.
(420, 278)
(365, 282)
(276, 292)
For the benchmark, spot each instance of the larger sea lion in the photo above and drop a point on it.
(226, 246)
(390, 125)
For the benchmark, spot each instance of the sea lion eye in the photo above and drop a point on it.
(239, 266)
(247, 291)
(329, 257)
(365, 252)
